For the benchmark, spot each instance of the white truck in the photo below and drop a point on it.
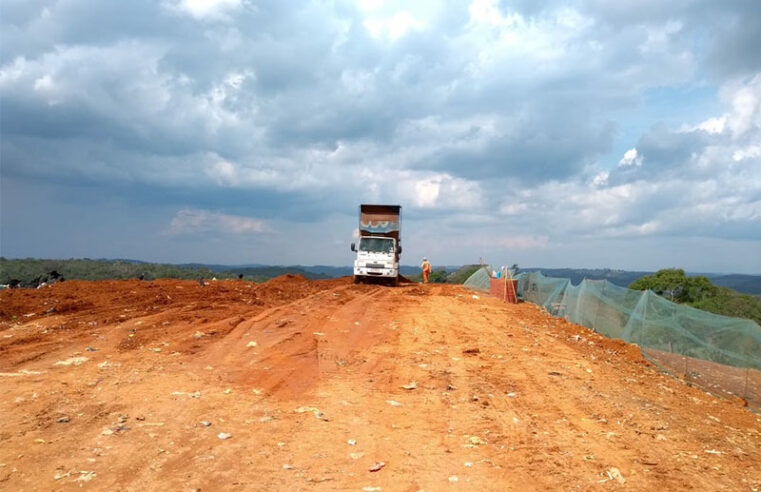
(379, 246)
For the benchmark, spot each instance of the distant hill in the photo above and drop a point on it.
(746, 284)
(28, 270)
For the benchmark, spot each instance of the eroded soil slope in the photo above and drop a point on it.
(312, 384)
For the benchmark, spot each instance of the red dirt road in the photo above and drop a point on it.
(105, 385)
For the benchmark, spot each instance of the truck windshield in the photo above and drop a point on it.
(376, 245)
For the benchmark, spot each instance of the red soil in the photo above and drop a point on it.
(307, 377)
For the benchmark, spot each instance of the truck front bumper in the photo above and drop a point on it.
(376, 272)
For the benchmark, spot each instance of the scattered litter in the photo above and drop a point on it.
(371, 489)
(356, 456)
(157, 350)
(454, 478)
(511, 395)
(314, 410)
(615, 474)
(287, 467)
(468, 464)
(410, 386)
(318, 333)
(197, 394)
(227, 391)
(713, 451)
(251, 344)
(474, 297)
(63, 420)
(317, 413)
(85, 476)
(205, 423)
(256, 391)
(351, 442)
(377, 466)
(40, 441)
(554, 373)
(394, 403)
(476, 440)
(224, 435)
(72, 361)
(91, 349)
(198, 335)
(107, 432)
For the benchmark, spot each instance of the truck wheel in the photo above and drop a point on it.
(357, 280)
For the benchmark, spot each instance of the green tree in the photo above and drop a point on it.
(673, 284)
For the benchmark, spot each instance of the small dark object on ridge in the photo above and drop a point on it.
(240, 276)
(141, 276)
(200, 282)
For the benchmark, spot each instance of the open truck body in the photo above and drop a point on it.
(379, 247)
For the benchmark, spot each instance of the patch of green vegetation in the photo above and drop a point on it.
(33, 271)
(700, 293)
(440, 276)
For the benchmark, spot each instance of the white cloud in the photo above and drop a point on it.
(190, 221)
(205, 9)
(394, 27)
(520, 242)
(440, 191)
(512, 208)
(713, 126)
(748, 152)
(630, 158)
(745, 100)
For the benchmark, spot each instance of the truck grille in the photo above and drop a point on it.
(375, 265)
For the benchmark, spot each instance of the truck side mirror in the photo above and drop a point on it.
(399, 249)
(353, 247)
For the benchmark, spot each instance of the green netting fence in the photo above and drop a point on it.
(720, 353)
(479, 280)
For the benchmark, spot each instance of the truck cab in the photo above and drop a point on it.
(379, 248)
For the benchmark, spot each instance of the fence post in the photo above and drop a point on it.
(745, 393)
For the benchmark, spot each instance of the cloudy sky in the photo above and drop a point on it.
(582, 133)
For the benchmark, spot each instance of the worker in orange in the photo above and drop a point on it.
(426, 267)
